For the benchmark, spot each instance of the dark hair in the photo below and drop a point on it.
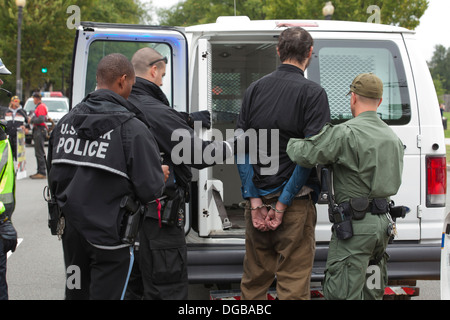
(113, 66)
(294, 44)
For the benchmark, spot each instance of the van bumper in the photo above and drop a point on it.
(217, 264)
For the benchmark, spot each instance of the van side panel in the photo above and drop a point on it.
(337, 59)
(431, 138)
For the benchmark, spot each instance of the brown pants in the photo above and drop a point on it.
(287, 253)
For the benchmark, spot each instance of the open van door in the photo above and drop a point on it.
(96, 40)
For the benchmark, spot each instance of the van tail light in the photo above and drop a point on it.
(436, 181)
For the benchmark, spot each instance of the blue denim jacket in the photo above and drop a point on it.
(289, 189)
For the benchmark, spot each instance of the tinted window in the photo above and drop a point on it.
(336, 63)
(100, 48)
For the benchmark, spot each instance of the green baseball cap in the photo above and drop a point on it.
(367, 85)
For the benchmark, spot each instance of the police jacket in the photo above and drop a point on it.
(163, 121)
(98, 153)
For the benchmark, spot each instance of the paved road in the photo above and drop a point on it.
(36, 269)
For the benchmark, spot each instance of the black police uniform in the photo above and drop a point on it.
(99, 153)
(162, 248)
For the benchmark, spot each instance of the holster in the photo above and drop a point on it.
(54, 214)
(132, 220)
(344, 229)
(342, 223)
(173, 208)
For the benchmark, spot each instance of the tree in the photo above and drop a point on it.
(46, 39)
(405, 13)
(440, 66)
(440, 91)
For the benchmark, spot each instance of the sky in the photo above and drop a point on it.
(434, 25)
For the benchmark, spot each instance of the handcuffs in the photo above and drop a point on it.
(271, 206)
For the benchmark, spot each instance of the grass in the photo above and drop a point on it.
(447, 132)
(447, 148)
(447, 135)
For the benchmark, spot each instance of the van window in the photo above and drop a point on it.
(100, 48)
(234, 67)
(336, 63)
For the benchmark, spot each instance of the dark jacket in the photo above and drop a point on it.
(162, 121)
(288, 102)
(100, 152)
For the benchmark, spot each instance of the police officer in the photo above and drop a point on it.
(98, 154)
(8, 234)
(162, 247)
(367, 161)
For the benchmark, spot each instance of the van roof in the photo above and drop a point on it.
(243, 23)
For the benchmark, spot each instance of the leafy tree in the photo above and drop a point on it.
(440, 66)
(191, 12)
(48, 42)
(440, 91)
(405, 13)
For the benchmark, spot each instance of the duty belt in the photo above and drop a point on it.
(358, 207)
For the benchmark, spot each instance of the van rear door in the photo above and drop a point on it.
(335, 63)
(96, 40)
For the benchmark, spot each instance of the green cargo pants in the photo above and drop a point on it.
(356, 268)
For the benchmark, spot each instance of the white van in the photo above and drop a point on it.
(210, 66)
(57, 106)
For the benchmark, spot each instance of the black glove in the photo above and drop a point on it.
(38, 120)
(9, 236)
(203, 116)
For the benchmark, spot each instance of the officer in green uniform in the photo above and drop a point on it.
(367, 161)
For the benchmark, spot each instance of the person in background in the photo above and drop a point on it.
(15, 118)
(38, 120)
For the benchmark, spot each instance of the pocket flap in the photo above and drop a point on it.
(359, 204)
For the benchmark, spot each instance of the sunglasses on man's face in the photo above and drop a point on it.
(158, 60)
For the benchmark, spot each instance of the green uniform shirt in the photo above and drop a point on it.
(365, 154)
